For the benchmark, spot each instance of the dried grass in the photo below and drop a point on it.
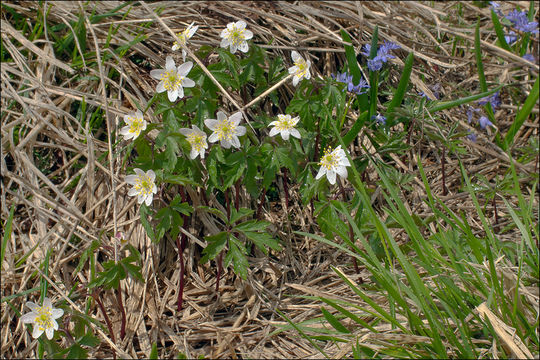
(38, 91)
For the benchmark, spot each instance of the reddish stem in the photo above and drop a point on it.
(237, 198)
(219, 270)
(95, 295)
(122, 311)
(261, 202)
(285, 188)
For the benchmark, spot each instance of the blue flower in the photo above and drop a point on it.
(521, 22)
(347, 79)
(375, 64)
(495, 7)
(379, 119)
(470, 112)
(494, 100)
(383, 55)
(484, 122)
(529, 57)
(511, 37)
(367, 50)
(472, 137)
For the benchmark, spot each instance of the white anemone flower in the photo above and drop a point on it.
(135, 123)
(333, 162)
(173, 80)
(300, 68)
(284, 125)
(143, 185)
(183, 38)
(236, 36)
(43, 318)
(226, 129)
(197, 139)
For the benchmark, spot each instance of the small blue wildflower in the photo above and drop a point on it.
(495, 7)
(511, 37)
(388, 45)
(494, 100)
(379, 119)
(484, 122)
(529, 57)
(375, 64)
(470, 112)
(521, 22)
(367, 50)
(471, 136)
(347, 79)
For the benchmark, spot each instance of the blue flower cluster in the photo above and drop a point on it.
(347, 79)
(383, 54)
(483, 120)
(521, 22)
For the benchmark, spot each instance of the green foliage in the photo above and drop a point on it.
(114, 272)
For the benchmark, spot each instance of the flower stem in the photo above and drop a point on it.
(181, 246)
(285, 188)
(95, 295)
(261, 202)
(351, 233)
(219, 270)
(122, 311)
(237, 198)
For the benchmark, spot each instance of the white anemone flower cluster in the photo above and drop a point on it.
(135, 123)
(226, 129)
(43, 318)
(143, 185)
(183, 38)
(173, 79)
(333, 162)
(284, 125)
(300, 68)
(236, 36)
(197, 139)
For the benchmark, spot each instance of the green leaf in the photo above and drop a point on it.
(252, 225)
(262, 240)
(435, 106)
(154, 352)
(351, 58)
(241, 213)
(144, 212)
(239, 260)
(334, 322)
(77, 352)
(522, 115)
(355, 129)
(403, 83)
(499, 31)
(216, 243)
(178, 179)
(89, 340)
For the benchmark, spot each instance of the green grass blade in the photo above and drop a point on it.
(354, 70)
(499, 31)
(7, 234)
(522, 115)
(478, 54)
(443, 105)
(403, 83)
(373, 75)
(355, 129)
(334, 321)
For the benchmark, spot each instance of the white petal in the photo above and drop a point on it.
(244, 47)
(235, 118)
(221, 116)
(151, 174)
(213, 138)
(180, 91)
(331, 175)
(31, 305)
(28, 318)
(320, 174)
(248, 34)
(295, 133)
(138, 114)
(293, 69)
(188, 83)
(56, 313)
(225, 143)
(192, 30)
(175, 47)
(196, 129)
(274, 132)
(185, 68)
(224, 43)
(185, 131)
(344, 162)
(160, 87)
(193, 154)
(125, 130)
(47, 302)
(49, 332)
(240, 130)
(156, 74)
(241, 25)
(295, 55)
(184, 53)
(307, 75)
(295, 80)
(224, 32)
(172, 95)
(130, 179)
(231, 25)
(36, 332)
(273, 123)
(133, 192)
(154, 189)
(140, 199)
(233, 49)
(295, 120)
(211, 123)
(235, 142)
(285, 134)
(139, 172)
(169, 64)
(342, 171)
(148, 200)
